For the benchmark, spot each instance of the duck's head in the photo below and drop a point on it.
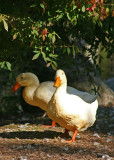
(60, 78)
(25, 79)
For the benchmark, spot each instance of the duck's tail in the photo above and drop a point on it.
(94, 98)
(95, 104)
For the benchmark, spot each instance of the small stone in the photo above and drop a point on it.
(106, 157)
(23, 158)
(13, 146)
(96, 143)
(77, 136)
(103, 156)
(29, 146)
(96, 135)
(7, 129)
(65, 148)
(11, 124)
(26, 124)
(109, 134)
(48, 155)
(46, 139)
(21, 126)
(19, 147)
(108, 140)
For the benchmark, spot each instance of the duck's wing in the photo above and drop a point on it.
(45, 91)
(92, 98)
(87, 97)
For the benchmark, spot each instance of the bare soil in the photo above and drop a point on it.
(23, 138)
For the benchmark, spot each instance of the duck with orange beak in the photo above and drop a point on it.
(39, 94)
(69, 110)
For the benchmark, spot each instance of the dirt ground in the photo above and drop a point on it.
(23, 138)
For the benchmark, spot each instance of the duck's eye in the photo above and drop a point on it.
(21, 78)
(62, 73)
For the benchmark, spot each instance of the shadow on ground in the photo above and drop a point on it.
(30, 134)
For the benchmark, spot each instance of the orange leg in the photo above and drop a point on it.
(53, 124)
(73, 137)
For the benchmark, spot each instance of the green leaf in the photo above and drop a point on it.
(83, 9)
(8, 65)
(68, 16)
(47, 49)
(48, 59)
(59, 17)
(36, 51)
(36, 56)
(2, 64)
(53, 39)
(50, 36)
(56, 35)
(74, 21)
(77, 49)
(77, 15)
(74, 7)
(5, 25)
(107, 10)
(51, 55)
(35, 32)
(42, 5)
(54, 67)
(73, 51)
(106, 38)
(55, 55)
(58, 11)
(68, 50)
(33, 5)
(44, 56)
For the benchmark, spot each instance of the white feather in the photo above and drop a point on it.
(70, 111)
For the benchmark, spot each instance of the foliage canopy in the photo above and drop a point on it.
(52, 33)
(48, 29)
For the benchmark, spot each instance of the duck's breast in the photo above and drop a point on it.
(71, 112)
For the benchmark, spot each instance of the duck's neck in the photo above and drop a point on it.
(62, 88)
(28, 93)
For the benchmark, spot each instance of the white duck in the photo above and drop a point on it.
(68, 110)
(39, 94)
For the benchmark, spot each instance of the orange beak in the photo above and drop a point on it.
(57, 82)
(16, 86)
